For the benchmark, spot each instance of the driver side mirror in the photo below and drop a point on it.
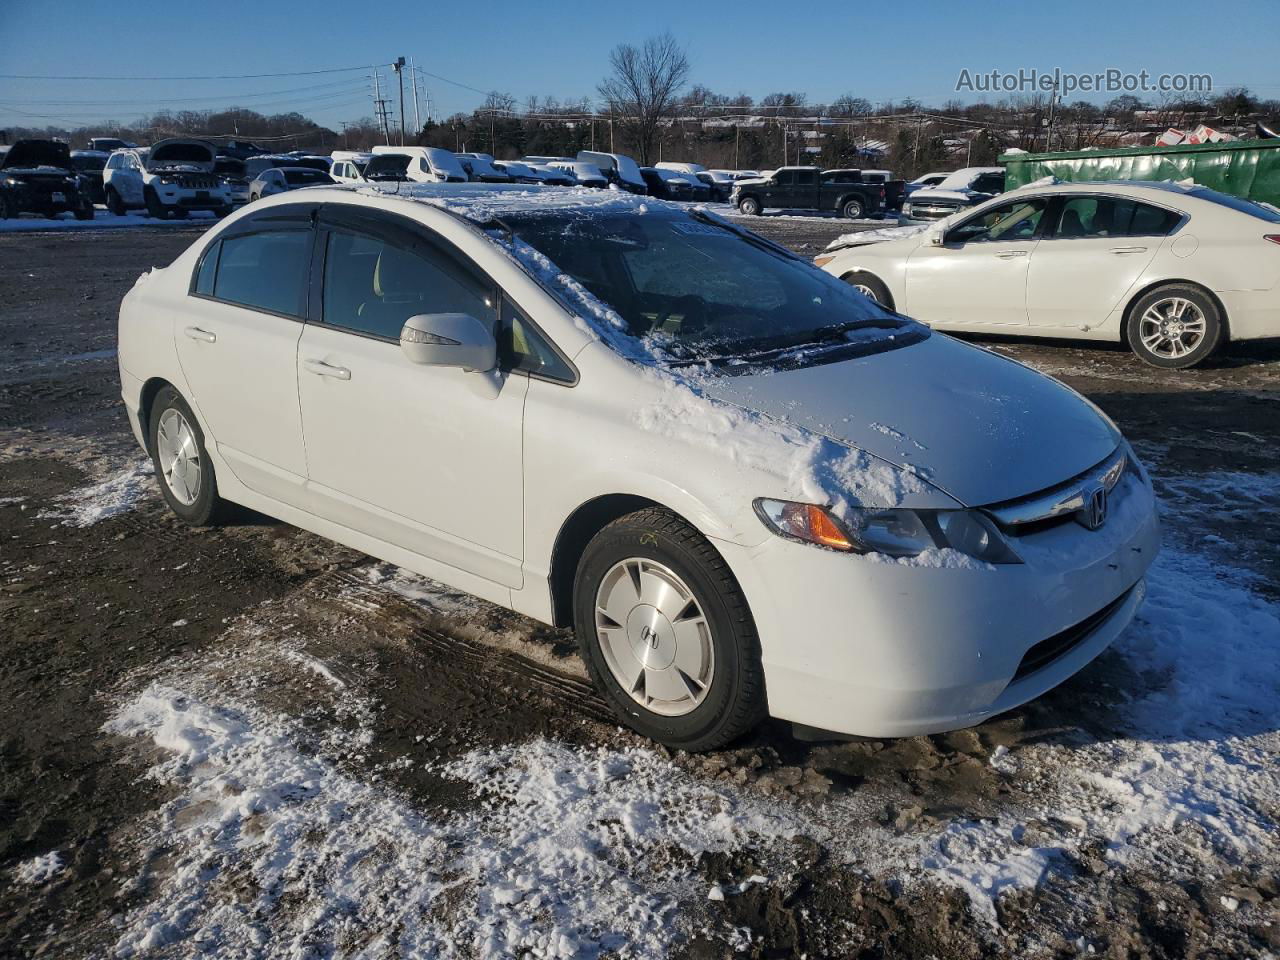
(938, 238)
(449, 340)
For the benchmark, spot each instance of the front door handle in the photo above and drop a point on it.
(1123, 250)
(322, 369)
(1010, 254)
(204, 336)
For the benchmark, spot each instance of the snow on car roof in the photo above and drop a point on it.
(481, 202)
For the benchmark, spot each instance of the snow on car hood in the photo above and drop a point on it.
(982, 428)
(936, 193)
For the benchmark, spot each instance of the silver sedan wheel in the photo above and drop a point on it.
(179, 457)
(1171, 328)
(654, 636)
(867, 292)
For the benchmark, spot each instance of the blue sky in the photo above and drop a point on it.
(561, 49)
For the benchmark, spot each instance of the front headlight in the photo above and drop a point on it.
(893, 533)
(168, 181)
(12, 182)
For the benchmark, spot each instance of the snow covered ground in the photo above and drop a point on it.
(102, 220)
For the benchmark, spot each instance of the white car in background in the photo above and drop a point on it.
(415, 165)
(283, 179)
(748, 488)
(348, 165)
(1173, 271)
(584, 174)
(169, 179)
(955, 191)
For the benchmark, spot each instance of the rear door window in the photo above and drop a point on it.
(264, 271)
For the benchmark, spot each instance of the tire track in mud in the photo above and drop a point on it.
(416, 625)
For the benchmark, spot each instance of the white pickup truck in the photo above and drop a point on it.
(170, 179)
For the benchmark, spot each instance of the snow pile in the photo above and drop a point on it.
(106, 498)
(39, 870)
(986, 861)
(276, 850)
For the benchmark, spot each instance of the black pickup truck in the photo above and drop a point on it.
(808, 188)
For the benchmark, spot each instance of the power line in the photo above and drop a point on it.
(224, 76)
(333, 84)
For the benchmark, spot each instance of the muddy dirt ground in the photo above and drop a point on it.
(395, 690)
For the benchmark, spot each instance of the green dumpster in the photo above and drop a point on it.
(1243, 168)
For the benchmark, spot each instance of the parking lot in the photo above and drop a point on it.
(247, 741)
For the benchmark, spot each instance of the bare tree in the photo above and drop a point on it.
(644, 86)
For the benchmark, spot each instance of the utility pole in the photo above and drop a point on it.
(398, 67)
(1048, 133)
(381, 111)
(417, 118)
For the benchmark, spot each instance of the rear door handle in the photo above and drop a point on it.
(322, 369)
(204, 336)
(1010, 254)
(1123, 250)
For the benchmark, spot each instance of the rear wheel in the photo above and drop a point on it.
(115, 203)
(666, 633)
(181, 461)
(853, 209)
(750, 206)
(870, 286)
(1175, 326)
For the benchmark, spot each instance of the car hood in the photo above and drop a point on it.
(182, 156)
(27, 155)
(978, 426)
(934, 193)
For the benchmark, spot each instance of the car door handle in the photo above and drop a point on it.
(1010, 254)
(1124, 250)
(322, 369)
(204, 336)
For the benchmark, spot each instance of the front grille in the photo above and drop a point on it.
(197, 181)
(1047, 651)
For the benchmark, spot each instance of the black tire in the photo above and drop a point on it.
(750, 206)
(207, 507)
(877, 290)
(154, 207)
(853, 209)
(224, 211)
(734, 701)
(115, 203)
(85, 212)
(6, 208)
(179, 213)
(1163, 353)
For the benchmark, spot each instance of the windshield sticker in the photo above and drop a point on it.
(699, 229)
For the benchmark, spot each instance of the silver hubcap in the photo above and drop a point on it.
(179, 457)
(867, 292)
(1172, 327)
(654, 637)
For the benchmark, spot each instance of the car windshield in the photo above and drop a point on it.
(88, 163)
(387, 165)
(304, 177)
(702, 290)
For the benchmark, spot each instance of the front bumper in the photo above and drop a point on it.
(885, 649)
(215, 199)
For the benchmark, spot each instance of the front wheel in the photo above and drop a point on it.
(181, 461)
(666, 632)
(750, 206)
(852, 209)
(1175, 326)
(115, 203)
(154, 207)
(7, 209)
(870, 286)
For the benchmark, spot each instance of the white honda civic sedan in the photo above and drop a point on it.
(1172, 271)
(749, 490)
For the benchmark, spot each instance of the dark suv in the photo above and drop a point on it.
(36, 176)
